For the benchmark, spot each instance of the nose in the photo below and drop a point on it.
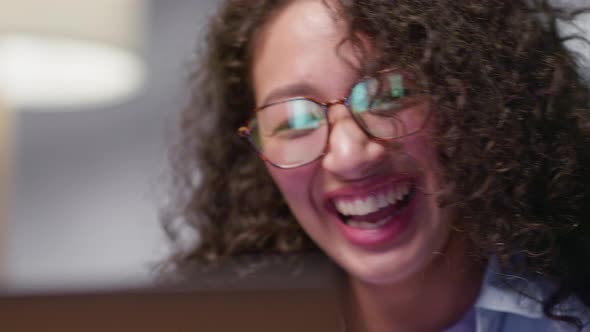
(351, 153)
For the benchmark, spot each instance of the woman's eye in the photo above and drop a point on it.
(289, 134)
(296, 127)
(385, 104)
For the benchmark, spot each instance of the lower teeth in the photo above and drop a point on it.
(368, 225)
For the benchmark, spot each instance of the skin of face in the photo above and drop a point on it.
(297, 53)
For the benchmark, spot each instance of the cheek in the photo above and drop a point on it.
(294, 184)
(421, 147)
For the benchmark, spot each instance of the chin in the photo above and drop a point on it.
(411, 256)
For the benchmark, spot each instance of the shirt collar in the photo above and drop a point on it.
(506, 292)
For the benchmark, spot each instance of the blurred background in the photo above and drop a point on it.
(89, 95)
(91, 92)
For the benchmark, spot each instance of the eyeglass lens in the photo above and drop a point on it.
(295, 131)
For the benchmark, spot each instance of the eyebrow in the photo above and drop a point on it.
(301, 89)
(288, 91)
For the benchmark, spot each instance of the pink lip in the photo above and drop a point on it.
(373, 238)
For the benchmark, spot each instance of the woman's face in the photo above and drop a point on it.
(337, 198)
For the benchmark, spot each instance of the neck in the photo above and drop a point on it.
(445, 290)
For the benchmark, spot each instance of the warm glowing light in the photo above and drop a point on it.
(60, 73)
(64, 55)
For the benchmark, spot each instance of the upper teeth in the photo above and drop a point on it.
(373, 202)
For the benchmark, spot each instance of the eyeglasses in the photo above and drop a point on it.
(294, 132)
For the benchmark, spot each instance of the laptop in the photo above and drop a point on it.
(277, 297)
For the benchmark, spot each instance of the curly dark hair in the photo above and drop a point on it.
(513, 136)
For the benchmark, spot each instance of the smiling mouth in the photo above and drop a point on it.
(376, 209)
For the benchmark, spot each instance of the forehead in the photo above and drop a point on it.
(302, 45)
